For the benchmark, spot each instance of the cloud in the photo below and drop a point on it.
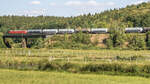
(111, 3)
(92, 3)
(88, 3)
(52, 4)
(140, 1)
(73, 3)
(89, 6)
(33, 12)
(35, 2)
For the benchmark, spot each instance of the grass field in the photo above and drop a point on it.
(80, 56)
(36, 77)
(135, 63)
(73, 53)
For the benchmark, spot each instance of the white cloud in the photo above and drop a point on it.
(35, 2)
(73, 3)
(52, 4)
(88, 3)
(140, 1)
(92, 3)
(89, 6)
(111, 3)
(34, 12)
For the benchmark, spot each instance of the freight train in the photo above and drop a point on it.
(71, 31)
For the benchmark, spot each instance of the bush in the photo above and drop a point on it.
(74, 41)
(148, 40)
(2, 45)
(137, 43)
(81, 38)
(116, 39)
(109, 43)
(45, 65)
(146, 68)
(36, 43)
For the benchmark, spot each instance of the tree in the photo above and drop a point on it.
(2, 45)
(137, 43)
(81, 38)
(101, 24)
(116, 39)
(146, 21)
(148, 39)
(109, 43)
(36, 43)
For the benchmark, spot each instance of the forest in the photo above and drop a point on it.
(131, 16)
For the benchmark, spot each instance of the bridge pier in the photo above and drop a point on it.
(6, 42)
(24, 42)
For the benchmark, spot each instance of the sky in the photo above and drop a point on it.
(64, 8)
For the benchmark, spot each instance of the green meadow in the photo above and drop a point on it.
(57, 66)
(37, 77)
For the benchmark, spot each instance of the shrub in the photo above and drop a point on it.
(2, 45)
(116, 39)
(109, 43)
(36, 43)
(146, 68)
(81, 38)
(148, 40)
(137, 43)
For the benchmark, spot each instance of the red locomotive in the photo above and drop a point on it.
(17, 32)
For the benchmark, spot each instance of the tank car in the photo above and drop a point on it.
(84, 30)
(77, 30)
(65, 31)
(50, 31)
(98, 30)
(134, 30)
(34, 31)
(146, 29)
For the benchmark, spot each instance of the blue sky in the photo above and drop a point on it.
(60, 7)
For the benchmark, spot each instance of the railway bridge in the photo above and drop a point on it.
(24, 38)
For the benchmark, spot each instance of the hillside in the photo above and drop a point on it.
(131, 16)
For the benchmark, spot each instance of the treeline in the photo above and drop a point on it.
(131, 16)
